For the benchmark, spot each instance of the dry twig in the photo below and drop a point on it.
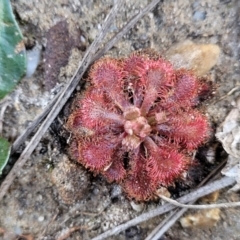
(48, 224)
(204, 206)
(83, 213)
(203, 191)
(171, 219)
(69, 231)
(23, 137)
(162, 225)
(237, 87)
(125, 29)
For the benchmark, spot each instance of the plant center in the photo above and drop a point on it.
(136, 128)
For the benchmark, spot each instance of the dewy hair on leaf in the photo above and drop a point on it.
(138, 123)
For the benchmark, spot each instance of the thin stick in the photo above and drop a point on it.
(203, 206)
(228, 94)
(66, 93)
(172, 219)
(203, 191)
(22, 138)
(83, 213)
(105, 27)
(126, 28)
(161, 225)
(48, 225)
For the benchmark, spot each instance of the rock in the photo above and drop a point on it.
(33, 59)
(201, 219)
(212, 197)
(198, 57)
(138, 207)
(199, 15)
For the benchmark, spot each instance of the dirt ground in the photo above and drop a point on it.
(52, 194)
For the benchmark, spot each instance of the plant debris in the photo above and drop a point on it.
(58, 49)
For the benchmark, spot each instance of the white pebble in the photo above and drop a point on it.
(41, 218)
(33, 59)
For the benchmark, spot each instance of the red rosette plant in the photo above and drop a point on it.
(138, 122)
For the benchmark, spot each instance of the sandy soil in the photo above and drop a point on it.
(51, 193)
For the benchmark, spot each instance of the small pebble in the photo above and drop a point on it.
(199, 15)
(33, 59)
(41, 218)
(82, 39)
(96, 191)
(116, 191)
(20, 213)
(138, 207)
(17, 230)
